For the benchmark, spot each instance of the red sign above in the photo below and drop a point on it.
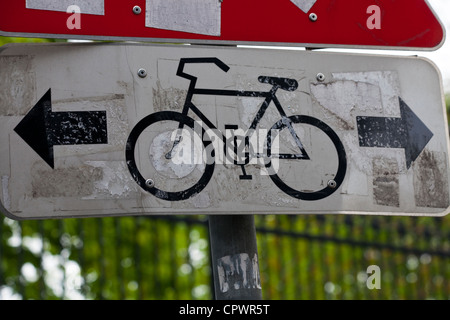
(386, 24)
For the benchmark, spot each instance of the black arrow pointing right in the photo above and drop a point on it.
(407, 132)
(42, 129)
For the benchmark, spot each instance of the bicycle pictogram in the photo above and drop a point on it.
(165, 133)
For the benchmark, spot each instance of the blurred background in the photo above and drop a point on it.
(167, 257)
(300, 257)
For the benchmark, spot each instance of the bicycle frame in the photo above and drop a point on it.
(181, 119)
(269, 97)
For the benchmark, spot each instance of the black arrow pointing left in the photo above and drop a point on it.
(42, 129)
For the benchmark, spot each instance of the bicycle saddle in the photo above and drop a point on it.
(282, 83)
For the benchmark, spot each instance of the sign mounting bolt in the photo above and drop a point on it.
(137, 10)
(320, 77)
(313, 17)
(332, 184)
(150, 183)
(142, 73)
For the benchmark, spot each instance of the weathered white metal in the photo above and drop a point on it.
(304, 5)
(86, 6)
(369, 137)
(195, 16)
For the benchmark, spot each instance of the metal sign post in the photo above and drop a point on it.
(234, 257)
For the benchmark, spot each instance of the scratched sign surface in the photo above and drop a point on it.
(180, 130)
(401, 24)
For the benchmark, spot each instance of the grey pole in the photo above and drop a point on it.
(234, 257)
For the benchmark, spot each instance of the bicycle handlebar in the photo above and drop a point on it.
(183, 61)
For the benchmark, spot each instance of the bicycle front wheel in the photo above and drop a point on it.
(311, 176)
(166, 156)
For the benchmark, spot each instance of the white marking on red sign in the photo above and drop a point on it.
(195, 16)
(87, 6)
(304, 5)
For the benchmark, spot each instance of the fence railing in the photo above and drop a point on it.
(168, 257)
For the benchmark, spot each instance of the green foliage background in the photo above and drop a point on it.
(5, 40)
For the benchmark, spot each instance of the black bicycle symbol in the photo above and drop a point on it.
(163, 132)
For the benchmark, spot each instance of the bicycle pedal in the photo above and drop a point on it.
(245, 177)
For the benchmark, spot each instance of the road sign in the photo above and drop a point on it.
(407, 24)
(42, 129)
(121, 129)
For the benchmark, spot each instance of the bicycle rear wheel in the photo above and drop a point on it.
(315, 176)
(167, 157)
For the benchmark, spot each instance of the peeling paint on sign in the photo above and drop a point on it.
(194, 16)
(64, 182)
(87, 6)
(17, 88)
(186, 156)
(168, 98)
(238, 272)
(5, 188)
(341, 98)
(388, 83)
(347, 95)
(430, 180)
(112, 183)
(386, 190)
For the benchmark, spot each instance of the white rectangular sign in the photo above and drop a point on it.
(128, 129)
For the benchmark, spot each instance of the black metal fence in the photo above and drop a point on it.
(300, 257)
